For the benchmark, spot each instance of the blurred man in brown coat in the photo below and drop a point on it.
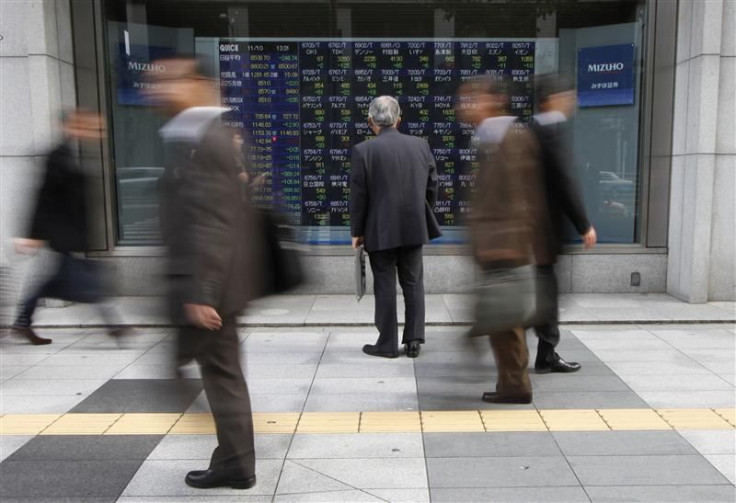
(203, 222)
(505, 216)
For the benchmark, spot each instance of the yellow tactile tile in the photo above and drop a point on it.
(512, 420)
(573, 420)
(194, 424)
(284, 422)
(727, 414)
(388, 422)
(449, 421)
(374, 422)
(81, 424)
(143, 424)
(694, 419)
(26, 424)
(633, 419)
(329, 422)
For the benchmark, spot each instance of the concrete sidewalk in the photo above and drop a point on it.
(448, 309)
(650, 417)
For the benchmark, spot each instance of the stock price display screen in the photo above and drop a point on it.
(305, 105)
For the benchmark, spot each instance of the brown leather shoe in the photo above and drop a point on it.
(32, 337)
(493, 397)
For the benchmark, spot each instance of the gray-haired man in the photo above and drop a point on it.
(393, 188)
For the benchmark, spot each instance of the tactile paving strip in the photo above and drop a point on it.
(390, 422)
(375, 422)
(694, 419)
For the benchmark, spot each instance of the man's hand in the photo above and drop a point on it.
(590, 238)
(203, 316)
(357, 241)
(260, 179)
(27, 246)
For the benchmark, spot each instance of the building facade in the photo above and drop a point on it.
(654, 140)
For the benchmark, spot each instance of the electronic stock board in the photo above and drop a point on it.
(304, 105)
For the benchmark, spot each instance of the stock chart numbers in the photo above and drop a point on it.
(305, 105)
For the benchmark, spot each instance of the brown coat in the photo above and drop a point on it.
(508, 209)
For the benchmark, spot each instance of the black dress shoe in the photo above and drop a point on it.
(371, 350)
(206, 479)
(29, 334)
(413, 348)
(493, 397)
(556, 365)
(120, 332)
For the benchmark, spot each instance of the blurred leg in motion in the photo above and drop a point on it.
(547, 359)
(112, 319)
(512, 360)
(24, 319)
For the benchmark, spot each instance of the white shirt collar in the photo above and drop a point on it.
(493, 129)
(547, 118)
(191, 124)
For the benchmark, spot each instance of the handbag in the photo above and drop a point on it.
(505, 298)
(359, 270)
(78, 280)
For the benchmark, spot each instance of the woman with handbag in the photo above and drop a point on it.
(60, 220)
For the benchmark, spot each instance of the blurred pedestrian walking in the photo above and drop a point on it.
(393, 189)
(203, 224)
(61, 221)
(555, 96)
(504, 219)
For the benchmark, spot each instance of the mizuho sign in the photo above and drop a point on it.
(606, 67)
(606, 75)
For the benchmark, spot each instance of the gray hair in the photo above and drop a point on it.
(384, 111)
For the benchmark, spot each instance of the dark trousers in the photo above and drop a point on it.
(549, 333)
(217, 352)
(512, 361)
(408, 261)
(54, 287)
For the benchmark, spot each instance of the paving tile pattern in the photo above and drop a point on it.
(650, 417)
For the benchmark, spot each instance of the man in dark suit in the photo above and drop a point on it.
(556, 99)
(203, 224)
(393, 188)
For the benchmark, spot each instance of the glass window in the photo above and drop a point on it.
(298, 77)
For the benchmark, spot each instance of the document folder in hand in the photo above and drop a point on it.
(359, 273)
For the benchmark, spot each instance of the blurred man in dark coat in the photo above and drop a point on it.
(61, 220)
(203, 223)
(393, 188)
(556, 101)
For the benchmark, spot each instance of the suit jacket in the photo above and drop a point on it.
(561, 190)
(60, 215)
(393, 189)
(508, 207)
(205, 225)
